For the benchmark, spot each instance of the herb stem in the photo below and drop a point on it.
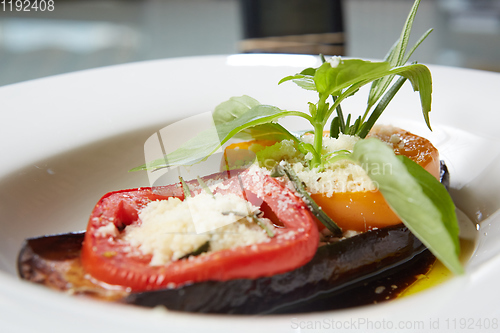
(340, 114)
(322, 107)
(318, 141)
(205, 247)
(368, 107)
(185, 188)
(261, 224)
(285, 169)
(306, 148)
(367, 126)
(204, 186)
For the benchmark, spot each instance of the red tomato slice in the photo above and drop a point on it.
(109, 259)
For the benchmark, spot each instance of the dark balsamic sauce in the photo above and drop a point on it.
(383, 287)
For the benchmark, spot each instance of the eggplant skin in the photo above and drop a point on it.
(54, 261)
(444, 175)
(338, 270)
(335, 267)
(338, 275)
(33, 262)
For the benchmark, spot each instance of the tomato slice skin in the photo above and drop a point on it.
(108, 259)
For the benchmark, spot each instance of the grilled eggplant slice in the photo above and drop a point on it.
(367, 268)
(54, 261)
(336, 273)
(334, 267)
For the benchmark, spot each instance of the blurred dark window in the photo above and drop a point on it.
(293, 26)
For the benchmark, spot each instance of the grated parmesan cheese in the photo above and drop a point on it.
(108, 230)
(339, 177)
(168, 229)
(330, 145)
(342, 176)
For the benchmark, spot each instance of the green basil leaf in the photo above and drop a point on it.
(303, 81)
(269, 131)
(421, 81)
(207, 142)
(422, 203)
(309, 71)
(419, 76)
(233, 108)
(332, 80)
(438, 194)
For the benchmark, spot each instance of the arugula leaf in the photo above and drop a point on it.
(422, 202)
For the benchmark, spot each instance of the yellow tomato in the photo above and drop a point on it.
(365, 210)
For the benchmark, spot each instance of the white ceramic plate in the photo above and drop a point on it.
(67, 140)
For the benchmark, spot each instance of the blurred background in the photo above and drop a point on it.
(75, 35)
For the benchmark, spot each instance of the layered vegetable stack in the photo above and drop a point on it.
(293, 217)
